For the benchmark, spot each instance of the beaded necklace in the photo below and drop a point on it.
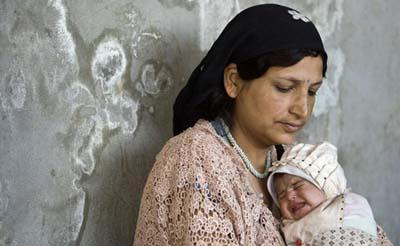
(243, 156)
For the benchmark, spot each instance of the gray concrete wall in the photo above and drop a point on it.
(86, 93)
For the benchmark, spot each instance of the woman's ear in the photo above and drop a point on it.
(232, 81)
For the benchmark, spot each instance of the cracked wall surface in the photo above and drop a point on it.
(86, 94)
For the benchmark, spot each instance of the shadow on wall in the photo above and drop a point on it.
(114, 189)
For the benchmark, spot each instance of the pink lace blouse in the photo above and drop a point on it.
(197, 194)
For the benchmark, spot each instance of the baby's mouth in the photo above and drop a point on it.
(297, 206)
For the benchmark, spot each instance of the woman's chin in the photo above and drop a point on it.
(286, 139)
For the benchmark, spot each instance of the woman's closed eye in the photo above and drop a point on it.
(314, 89)
(284, 89)
(312, 93)
(284, 86)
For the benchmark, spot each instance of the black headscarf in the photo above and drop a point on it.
(253, 32)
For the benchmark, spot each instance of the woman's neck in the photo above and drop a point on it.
(256, 153)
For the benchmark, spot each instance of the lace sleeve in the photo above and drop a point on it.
(383, 240)
(183, 205)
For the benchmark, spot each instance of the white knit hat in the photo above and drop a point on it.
(316, 163)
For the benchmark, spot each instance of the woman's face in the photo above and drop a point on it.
(296, 196)
(271, 109)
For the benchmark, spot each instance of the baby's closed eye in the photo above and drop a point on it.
(298, 184)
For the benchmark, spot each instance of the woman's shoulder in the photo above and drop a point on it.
(197, 149)
(197, 155)
(201, 137)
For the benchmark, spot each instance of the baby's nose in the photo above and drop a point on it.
(290, 194)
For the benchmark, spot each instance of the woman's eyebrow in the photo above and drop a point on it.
(317, 83)
(297, 81)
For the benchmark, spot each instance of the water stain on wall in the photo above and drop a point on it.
(214, 15)
(97, 115)
(152, 75)
(13, 90)
(111, 108)
(155, 79)
(108, 65)
(55, 84)
(328, 94)
(65, 42)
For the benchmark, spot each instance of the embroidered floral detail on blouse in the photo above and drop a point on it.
(297, 16)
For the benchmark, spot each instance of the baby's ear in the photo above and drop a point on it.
(232, 80)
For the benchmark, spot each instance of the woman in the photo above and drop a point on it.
(254, 90)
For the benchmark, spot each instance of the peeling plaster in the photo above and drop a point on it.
(154, 81)
(108, 65)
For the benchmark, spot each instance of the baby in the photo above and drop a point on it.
(309, 187)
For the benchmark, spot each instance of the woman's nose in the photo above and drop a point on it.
(299, 106)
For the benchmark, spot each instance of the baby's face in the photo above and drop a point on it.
(297, 196)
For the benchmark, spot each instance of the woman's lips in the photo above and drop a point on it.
(291, 126)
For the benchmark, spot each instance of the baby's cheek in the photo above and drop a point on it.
(285, 211)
